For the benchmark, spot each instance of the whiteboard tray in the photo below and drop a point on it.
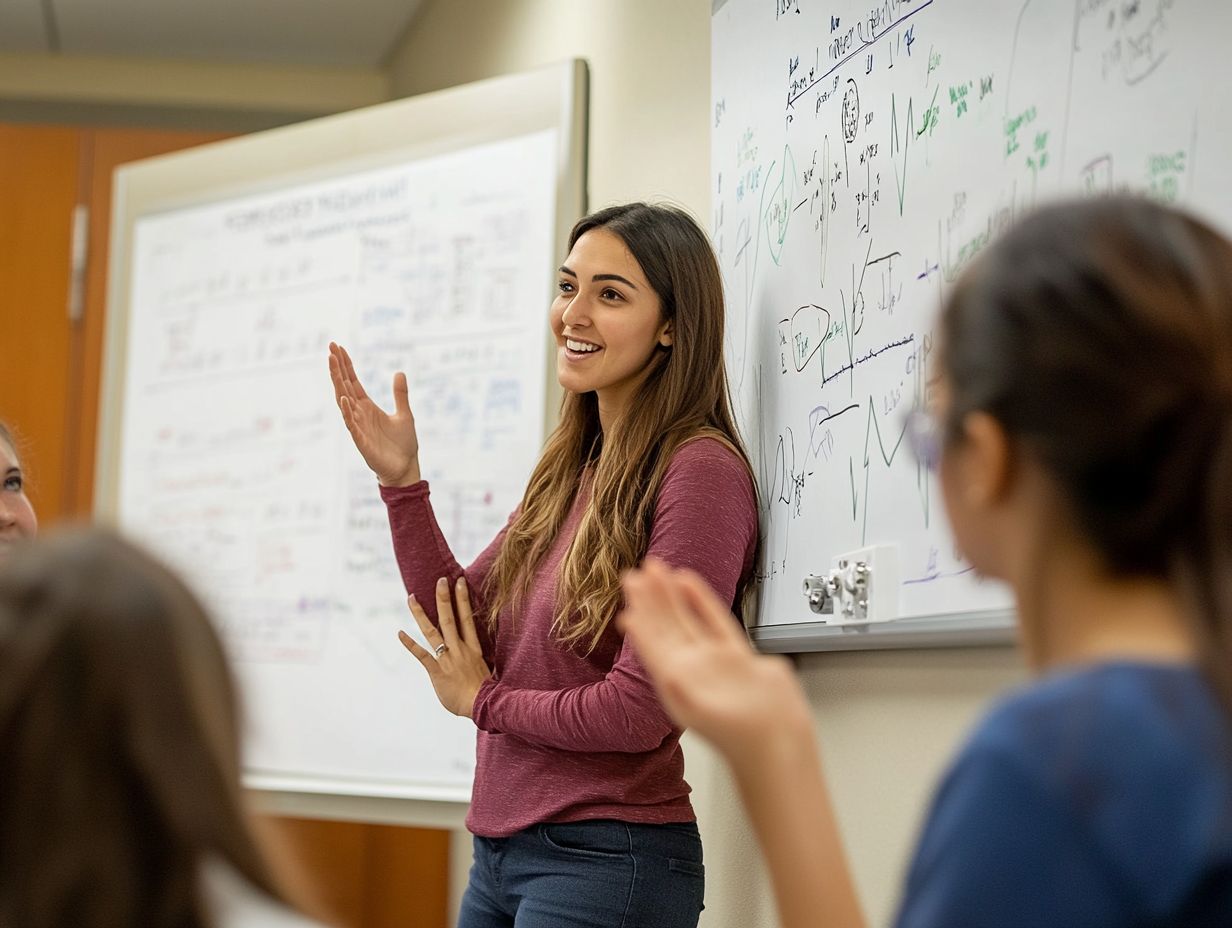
(978, 629)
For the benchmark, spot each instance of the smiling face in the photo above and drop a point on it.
(17, 519)
(607, 320)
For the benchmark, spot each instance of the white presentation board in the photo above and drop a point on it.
(227, 454)
(863, 154)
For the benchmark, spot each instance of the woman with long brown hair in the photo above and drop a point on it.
(1082, 427)
(580, 809)
(120, 796)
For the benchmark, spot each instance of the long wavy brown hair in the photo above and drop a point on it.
(683, 396)
(119, 743)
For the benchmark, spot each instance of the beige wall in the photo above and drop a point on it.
(888, 720)
(649, 74)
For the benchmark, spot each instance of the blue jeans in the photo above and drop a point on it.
(598, 874)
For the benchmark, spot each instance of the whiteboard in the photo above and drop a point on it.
(863, 154)
(229, 457)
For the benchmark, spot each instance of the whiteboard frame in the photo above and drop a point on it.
(407, 130)
(963, 629)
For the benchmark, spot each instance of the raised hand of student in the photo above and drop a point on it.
(708, 676)
(751, 708)
(455, 664)
(388, 443)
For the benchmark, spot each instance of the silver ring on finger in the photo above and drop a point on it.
(441, 649)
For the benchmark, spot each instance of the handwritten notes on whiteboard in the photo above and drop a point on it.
(864, 154)
(235, 464)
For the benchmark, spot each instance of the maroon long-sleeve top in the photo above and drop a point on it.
(566, 736)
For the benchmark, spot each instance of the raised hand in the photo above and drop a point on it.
(751, 708)
(707, 674)
(387, 442)
(455, 664)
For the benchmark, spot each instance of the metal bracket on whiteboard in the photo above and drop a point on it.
(820, 590)
(861, 587)
(854, 602)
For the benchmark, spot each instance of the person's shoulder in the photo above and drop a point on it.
(1126, 763)
(1110, 700)
(1108, 724)
(709, 467)
(708, 454)
(707, 473)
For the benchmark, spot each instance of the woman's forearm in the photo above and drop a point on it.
(788, 803)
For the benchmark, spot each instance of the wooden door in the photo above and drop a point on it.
(39, 186)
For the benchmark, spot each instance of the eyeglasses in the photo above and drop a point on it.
(923, 434)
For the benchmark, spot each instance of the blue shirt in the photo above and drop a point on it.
(1101, 796)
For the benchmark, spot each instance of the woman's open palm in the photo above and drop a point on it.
(387, 442)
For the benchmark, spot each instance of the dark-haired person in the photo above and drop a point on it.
(580, 810)
(1082, 427)
(17, 519)
(120, 796)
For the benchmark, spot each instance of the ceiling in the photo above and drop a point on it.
(331, 33)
